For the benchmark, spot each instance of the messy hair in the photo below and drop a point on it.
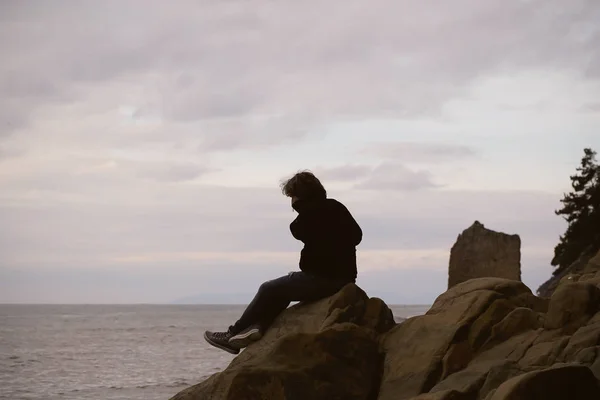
(304, 185)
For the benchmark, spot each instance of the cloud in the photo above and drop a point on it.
(408, 152)
(93, 222)
(385, 176)
(156, 243)
(343, 173)
(395, 176)
(7, 152)
(177, 172)
(591, 107)
(251, 133)
(161, 139)
(206, 61)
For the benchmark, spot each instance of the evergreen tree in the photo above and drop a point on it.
(581, 210)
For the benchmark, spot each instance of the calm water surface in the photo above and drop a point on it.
(134, 352)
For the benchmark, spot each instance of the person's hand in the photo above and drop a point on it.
(294, 199)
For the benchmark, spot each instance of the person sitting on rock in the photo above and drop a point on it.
(327, 262)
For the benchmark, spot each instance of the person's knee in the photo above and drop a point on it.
(266, 287)
(272, 289)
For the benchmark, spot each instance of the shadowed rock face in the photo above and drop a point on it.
(555, 383)
(583, 268)
(480, 252)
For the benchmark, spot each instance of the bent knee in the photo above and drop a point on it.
(272, 288)
(266, 287)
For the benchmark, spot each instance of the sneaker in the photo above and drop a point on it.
(246, 337)
(221, 340)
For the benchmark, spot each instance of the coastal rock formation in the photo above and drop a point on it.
(483, 339)
(588, 263)
(325, 350)
(480, 252)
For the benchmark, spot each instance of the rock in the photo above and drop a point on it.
(573, 382)
(457, 358)
(572, 305)
(595, 365)
(480, 252)
(520, 319)
(588, 264)
(478, 335)
(593, 265)
(323, 350)
(544, 351)
(497, 375)
(481, 329)
(445, 395)
(501, 287)
(377, 316)
(416, 351)
(342, 360)
(585, 338)
(470, 380)
(512, 349)
(483, 339)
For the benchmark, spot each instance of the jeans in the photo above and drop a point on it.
(275, 295)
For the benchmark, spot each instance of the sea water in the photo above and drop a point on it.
(85, 352)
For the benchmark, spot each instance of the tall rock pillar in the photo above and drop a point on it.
(480, 252)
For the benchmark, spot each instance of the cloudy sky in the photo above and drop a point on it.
(141, 145)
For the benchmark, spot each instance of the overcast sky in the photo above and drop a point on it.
(142, 144)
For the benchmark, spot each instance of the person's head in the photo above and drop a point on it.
(303, 186)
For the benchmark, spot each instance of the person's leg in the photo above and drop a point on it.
(268, 299)
(248, 327)
(275, 296)
(271, 299)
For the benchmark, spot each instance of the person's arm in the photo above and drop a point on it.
(298, 228)
(302, 225)
(350, 228)
(354, 230)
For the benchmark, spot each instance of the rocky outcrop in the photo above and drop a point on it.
(480, 252)
(482, 333)
(556, 383)
(483, 339)
(588, 263)
(325, 350)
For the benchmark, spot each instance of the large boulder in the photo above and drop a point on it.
(480, 252)
(324, 350)
(423, 351)
(573, 382)
(485, 332)
(572, 305)
(483, 339)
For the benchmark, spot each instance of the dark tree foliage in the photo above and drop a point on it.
(581, 210)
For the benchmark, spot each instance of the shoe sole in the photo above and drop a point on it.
(220, 346)
(244, 339)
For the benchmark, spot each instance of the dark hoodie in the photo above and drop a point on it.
(330, 236)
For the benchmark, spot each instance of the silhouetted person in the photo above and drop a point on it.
(327, 262)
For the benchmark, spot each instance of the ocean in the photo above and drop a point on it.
(104, 352)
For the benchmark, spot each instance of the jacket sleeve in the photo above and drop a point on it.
(298, 228)
(354, 230)
(351, 228)
(306, 226)
(356, 233)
